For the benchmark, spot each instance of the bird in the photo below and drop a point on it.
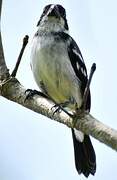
(61, 75)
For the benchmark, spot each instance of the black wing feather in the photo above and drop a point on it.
(77, 63)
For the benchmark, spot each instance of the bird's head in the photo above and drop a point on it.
(53, 19)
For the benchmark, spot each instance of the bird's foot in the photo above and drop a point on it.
(30, 93)
(60, 107)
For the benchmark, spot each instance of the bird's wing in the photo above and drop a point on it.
(77, 63)
(76, 58)
(79, 67)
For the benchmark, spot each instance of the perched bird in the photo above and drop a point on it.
(60, 73)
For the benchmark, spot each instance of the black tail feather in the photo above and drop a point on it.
(85, 159)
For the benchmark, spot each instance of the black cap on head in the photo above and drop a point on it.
(54, 10)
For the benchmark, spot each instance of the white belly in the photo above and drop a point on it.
(53, 72)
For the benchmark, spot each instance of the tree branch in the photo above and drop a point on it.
(14, 91)
(11, 89)
(4, 72)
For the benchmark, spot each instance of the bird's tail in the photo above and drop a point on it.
(85, 159)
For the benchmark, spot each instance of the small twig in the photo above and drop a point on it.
(86, 92)
(25, 41)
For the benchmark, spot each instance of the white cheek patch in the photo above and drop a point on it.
(79, 135)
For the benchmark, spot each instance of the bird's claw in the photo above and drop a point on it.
(60, 107)
(30, 93)
(56, 108)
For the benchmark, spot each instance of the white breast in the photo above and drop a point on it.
(51, 66)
